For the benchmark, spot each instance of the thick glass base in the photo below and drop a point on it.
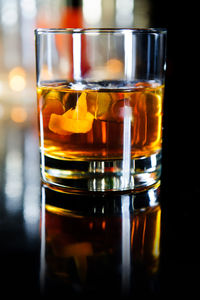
(115, 175)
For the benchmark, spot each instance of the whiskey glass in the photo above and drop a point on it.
(100, 106)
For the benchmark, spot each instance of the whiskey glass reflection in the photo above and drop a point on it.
(96, 245)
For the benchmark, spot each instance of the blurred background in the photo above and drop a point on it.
(19, 18)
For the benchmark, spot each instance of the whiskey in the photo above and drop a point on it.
(99, 124)
(96, 131)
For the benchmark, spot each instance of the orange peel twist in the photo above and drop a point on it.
(77, 120)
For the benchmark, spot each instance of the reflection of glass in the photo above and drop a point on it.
(100, 96)
(92, 245)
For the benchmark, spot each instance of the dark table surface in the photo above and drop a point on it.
(115, 244)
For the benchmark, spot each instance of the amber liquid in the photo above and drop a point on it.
(97, 129)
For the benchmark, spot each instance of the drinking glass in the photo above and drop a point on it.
(100, 98)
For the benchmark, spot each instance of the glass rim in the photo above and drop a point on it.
(100, 30)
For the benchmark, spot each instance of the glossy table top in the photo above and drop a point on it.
(127, 245)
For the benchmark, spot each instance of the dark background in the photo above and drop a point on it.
(180, 187)
(180, 176)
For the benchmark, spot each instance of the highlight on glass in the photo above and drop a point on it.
(100, 106)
